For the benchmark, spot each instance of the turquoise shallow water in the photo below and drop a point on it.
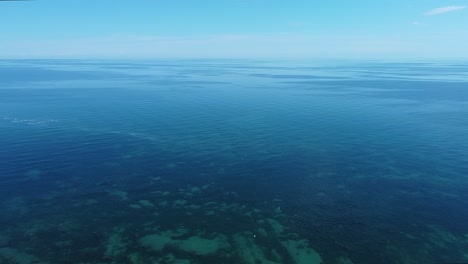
(233, 161)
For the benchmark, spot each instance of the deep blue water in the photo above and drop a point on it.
(233, 161)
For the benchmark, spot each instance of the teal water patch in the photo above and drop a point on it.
(267, 241)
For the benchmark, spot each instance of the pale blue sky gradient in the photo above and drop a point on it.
(413, 29)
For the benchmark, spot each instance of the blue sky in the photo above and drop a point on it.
(413, 29)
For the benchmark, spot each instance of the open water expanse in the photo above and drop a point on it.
(233, 161)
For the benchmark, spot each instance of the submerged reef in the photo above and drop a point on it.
(179, 226)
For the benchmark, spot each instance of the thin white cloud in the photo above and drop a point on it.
(445, 9)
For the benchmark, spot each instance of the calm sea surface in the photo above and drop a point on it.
(233, 161)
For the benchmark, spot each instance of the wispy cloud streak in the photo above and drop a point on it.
(445, 9)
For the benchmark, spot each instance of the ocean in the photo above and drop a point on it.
(233, 161)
